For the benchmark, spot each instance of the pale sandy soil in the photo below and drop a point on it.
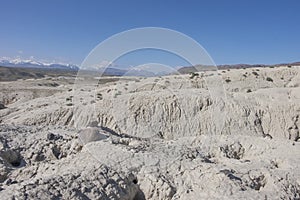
(171, 137)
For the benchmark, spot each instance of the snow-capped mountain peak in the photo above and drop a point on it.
(30, 63)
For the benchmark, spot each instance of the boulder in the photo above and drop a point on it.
(91, 134)
(12, 157)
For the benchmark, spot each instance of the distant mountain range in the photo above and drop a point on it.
(36, 64)
(109, 71)
(19, 63)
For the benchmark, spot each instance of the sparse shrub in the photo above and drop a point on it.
(269, 79)
(249, 90)
(69, 90)
(68, 99)
(289, 66)
(244, 75)
(227, 80)
(271, 66)
(117, 94)
(274, 164)
(193, 74)
(255, 73)
(99, 96)
(69, 104)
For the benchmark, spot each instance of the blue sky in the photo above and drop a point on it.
(232, 31)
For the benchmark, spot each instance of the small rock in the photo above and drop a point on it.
(39, 157)
(1, 145)
(75, 146)
(2, 106)
(233, 151)
(93, 124)
(3, 173)
(53, 152)
(52, 136)
(8, 181)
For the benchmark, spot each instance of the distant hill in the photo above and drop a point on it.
(197, 68)
(15, 73)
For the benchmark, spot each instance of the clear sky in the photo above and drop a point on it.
(232, 31)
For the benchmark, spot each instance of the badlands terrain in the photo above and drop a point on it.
(169, 137)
